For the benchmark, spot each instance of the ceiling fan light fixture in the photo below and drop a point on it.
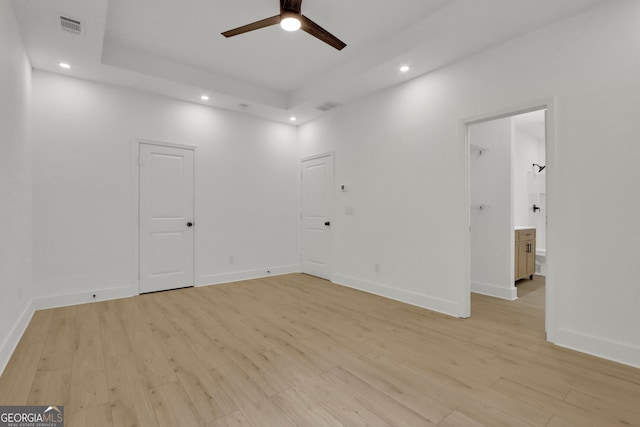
(291, 19)
(290, 22)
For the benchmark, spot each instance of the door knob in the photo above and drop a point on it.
(189, 224)
(328, 223)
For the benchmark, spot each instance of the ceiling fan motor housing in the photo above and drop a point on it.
(290, 14)
(293, 6)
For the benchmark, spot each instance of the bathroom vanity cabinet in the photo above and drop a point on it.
(525, 264)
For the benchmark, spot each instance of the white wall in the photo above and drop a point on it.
(490, 197)
(15, 182)
(85, 188)
(402, 152)
(400, 174)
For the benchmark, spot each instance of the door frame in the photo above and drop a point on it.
(332, 159)
(551, 187)
(135, 200)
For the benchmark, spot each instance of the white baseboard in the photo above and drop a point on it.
(435, 304)
(216, 279)
(510, 294)
(13, 337)
(83, 297)
(61, 300)
(599, 347)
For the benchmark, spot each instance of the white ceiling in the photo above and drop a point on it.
(175, 48)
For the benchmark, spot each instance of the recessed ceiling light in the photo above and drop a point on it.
(64, 65)
(405, 68)
(204, 97)
(293, 119)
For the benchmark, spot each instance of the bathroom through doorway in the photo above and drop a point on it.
(507, 186)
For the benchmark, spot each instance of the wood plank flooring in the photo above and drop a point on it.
(299, 351)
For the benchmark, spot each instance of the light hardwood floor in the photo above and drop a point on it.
(296, 350)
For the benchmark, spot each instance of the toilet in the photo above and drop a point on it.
(541, 263)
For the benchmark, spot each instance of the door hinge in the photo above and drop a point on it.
(139, 160)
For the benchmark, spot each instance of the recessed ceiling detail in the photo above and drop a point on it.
(175, 48)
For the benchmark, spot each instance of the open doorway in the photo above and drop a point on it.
(507, 188)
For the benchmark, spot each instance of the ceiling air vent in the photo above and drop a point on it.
(70, 25)
(327, 106)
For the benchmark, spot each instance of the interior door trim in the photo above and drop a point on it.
(135, 201)
(332, 158)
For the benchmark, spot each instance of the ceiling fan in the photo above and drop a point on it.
(291, 19)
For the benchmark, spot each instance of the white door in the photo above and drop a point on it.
(317, 205)
(166, 217)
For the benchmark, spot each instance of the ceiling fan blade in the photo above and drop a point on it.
(320, 33)
(274, 20)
